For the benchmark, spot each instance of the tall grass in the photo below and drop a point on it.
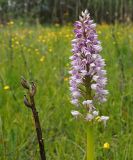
(42, 54)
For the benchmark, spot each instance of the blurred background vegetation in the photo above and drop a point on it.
(62, 11)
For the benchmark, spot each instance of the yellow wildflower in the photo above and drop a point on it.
(50, 50)
(17, 42)
(99, 32)
(42, 59)
(37, 51)
(6, 87)
(10, 23)
(66, 78)
(67, 36)
(106, 145)
(43, 40)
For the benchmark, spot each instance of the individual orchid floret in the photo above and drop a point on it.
(75, 113)
(88, 76)
(95, 113)
(104, 119)
(87, 102)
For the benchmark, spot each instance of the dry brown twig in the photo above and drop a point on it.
(30, 103)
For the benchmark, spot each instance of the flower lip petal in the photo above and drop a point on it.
(89, 117)
(75, 113)
(95, 113)
(87, 102)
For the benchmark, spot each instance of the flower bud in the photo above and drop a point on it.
(24, 83)
(26, 102)
(32, 89)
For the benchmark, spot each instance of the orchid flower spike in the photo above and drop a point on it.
(88, 76)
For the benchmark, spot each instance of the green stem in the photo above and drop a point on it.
(90, 143)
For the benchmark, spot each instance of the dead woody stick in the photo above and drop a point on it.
(30, 103)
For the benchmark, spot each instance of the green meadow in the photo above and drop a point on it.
(41, 54)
